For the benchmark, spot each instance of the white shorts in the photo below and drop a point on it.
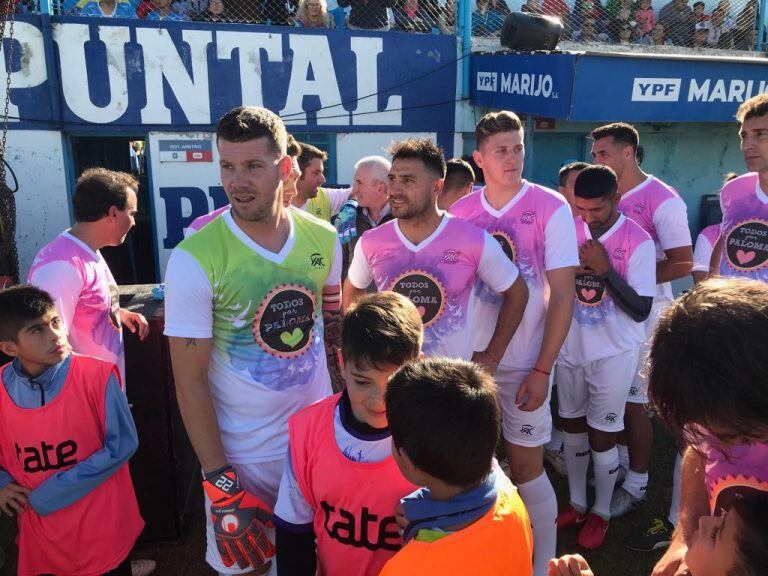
(597, 390)
(527, 429)
(263, 481)
(638, 391)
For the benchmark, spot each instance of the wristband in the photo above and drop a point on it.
(217, 472)
(540, 371)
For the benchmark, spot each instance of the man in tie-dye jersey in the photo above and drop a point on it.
(252, 312)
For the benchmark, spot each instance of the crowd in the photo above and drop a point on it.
(355, 430)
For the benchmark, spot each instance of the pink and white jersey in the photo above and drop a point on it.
(600, 328)
(536, 232)
(437, 275)
(733, 471)
(661, 212)
(86, 296)
(745, 229)
(201, 221)
(702, 252)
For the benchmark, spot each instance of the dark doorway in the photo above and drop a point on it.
(134, 261)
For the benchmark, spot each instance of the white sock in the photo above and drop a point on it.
(577, 461)
(623, 456)
(541, 502)
(555, 443)
(674, 508)
(635, 483)
(606, 467)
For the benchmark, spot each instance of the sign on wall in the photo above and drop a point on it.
(186, 75)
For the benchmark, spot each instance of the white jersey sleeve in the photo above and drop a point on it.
(337, 197)
(291, 506)
(641, 272)
(188, 298)
(63, 282)
(671, 222)
(495, 269)
(702, 254)
(360, 273)
(334, 276)
(560, 248)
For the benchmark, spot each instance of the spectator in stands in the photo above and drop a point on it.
(531, 7)
(620, 9)
(622, 32)
(501, 7)
(446, 20)
(314, 14)
(216, 11)
(698, 12)
(108, 9)
(368, 14)
(678, 19)
(557, 8)
(584, 10)
(700, 35)
(278, 12)
(588, 32)
(718, 32)
(458, 182)
(745, 31)
(659, 36)
(412, 16)
(485, 20)
(164, 11)
(645, 17)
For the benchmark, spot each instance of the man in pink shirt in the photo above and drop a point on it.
(435, 259)
(660, 211)
(742, 250)
(535, 228)
(73, 271)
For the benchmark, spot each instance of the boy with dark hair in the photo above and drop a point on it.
(615, 285)
(459, 179)
(66, 434)
(335, 511)
(566, 179)
(445, 421)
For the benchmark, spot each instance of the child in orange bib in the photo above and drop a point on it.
(66, 435)
(444, 418)
(335, 511)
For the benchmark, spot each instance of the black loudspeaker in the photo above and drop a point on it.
(528, 32)
(710, 210)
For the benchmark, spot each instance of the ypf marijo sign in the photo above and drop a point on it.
(139, 73)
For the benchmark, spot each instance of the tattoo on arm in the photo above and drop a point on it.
(332, 324)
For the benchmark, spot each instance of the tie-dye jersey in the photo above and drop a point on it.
(268, 359)
(705, 242)
(600, 328)
(733, 471)
(745, 229)
(201, 221)
(660, 211)
(437, 276)
(535, 230)
(94, 327)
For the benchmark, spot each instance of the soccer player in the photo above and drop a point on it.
(566, 178)
(742, 251)
(321, 202)
(434, 259)
(335, 512)
(660, 211)
(615, 286)
(459, 181)
(535, 228)
(249, 300)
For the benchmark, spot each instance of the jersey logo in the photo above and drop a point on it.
(316, 260)
(590, 289)
(638, 208)
(527, 429)
(611, 417)
(425, 291)
(506, 243)
(746, 245)
(285, 321)
(47, 456)
(528, 217)
(345, 527)
(619, 253)
(451, 256)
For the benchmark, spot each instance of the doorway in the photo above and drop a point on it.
(133, 262)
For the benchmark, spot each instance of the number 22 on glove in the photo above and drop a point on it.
(240, 521)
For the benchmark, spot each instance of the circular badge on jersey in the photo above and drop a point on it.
(746, 245)
(590, 289)
(285, 320)
(425, 291)
(507, 244)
